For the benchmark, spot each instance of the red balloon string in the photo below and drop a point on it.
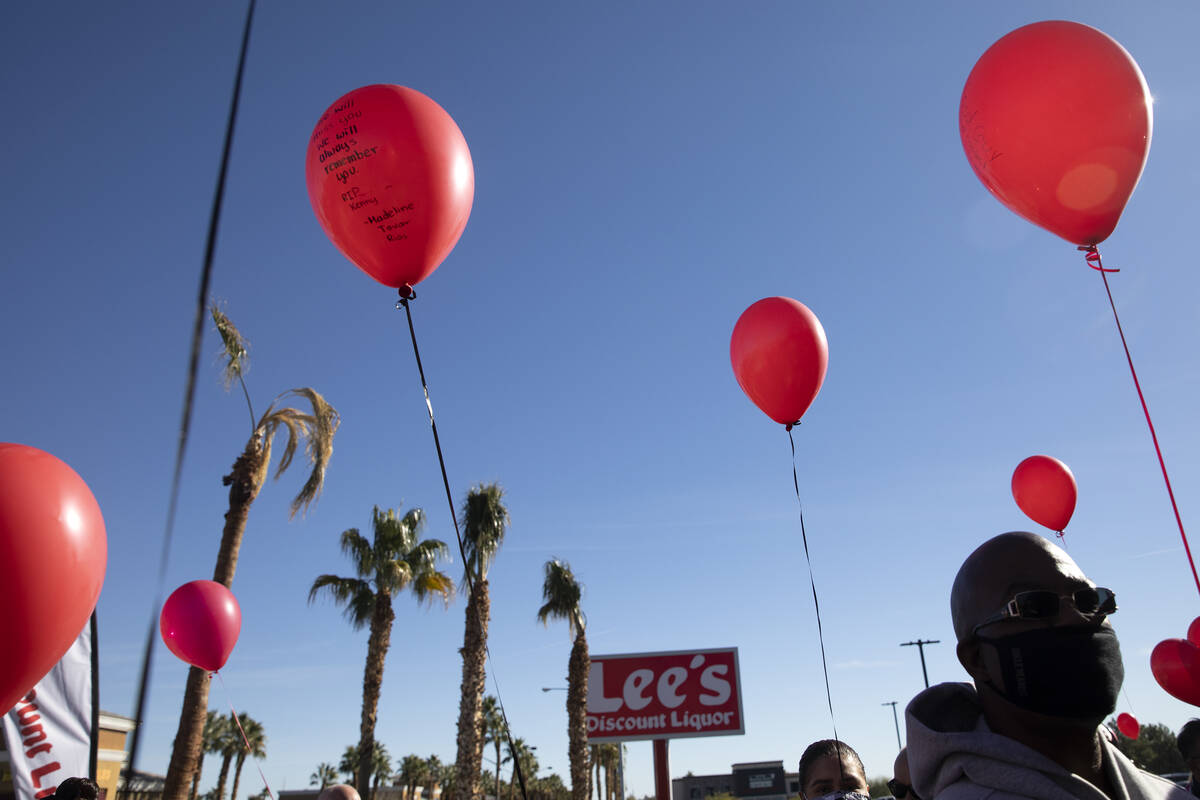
(1093, 260)
(238, 722)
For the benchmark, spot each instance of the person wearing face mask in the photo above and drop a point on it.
(831, 770)
(1033, 634)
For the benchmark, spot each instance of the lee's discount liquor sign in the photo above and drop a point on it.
(664, 695)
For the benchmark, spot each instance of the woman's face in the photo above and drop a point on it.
(824, 777)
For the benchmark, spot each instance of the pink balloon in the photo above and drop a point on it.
(1128, 725)
(200, 623)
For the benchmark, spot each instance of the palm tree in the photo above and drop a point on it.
(228, 746)
(562, 593)
(485, 520)
(214, 725)
(396, 560)
(495, 732)
(245, 480)
(258, 748)
(412, 774)
(381, 768)
(325, 775)
(524, 764)
(349, 763)
(433, 774)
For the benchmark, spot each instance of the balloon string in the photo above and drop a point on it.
(812, 582)
(1093, 260)
(189, 397)
(249, 750)
(406, 295)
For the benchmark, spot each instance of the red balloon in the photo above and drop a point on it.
(1194, 632)
(391, 181)
(200, 623)
(1128, 725)
(53, 553)
(1176, 666)
(1045, 490)
(1056, 119)
(779, 355)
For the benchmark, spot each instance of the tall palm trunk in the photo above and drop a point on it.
(577, 689)
(196, 777)
(244, 483)
(469, 761)
(498, 768)
(237, 773)
(377, 647)
(223, 776)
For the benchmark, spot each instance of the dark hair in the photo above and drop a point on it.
(77, 789)
(826, 748)
(1188, 735)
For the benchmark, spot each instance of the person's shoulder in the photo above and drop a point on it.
(967, 790)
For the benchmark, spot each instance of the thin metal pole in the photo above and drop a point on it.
(896, 720)
(920, 643)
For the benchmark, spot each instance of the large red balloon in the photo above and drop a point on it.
(391, 181)
(1128, 725)
(53, 553)
(200, 623)
(1176, 666)
(779, 355)
(1045, 490)
(1056, 121)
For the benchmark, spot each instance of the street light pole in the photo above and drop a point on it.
(920, 643)
(896, 720)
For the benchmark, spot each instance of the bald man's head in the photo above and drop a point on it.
(339, 791)
(999, 567)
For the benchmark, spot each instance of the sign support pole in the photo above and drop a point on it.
(662, 771)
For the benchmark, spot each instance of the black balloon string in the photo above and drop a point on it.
(1093, 261)
(812, 582)
(188, 399)
(406, 296)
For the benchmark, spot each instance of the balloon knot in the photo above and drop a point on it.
(406, 293)
(1093, 258)
(791, 425)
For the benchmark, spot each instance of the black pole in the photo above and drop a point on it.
(896, 720)
(920, 643)
(95, 743)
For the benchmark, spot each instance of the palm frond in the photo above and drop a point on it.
(318, 447)
(428, 583)
(485, 520)
(561, 593)
(352, 593)
(360, 551)
(235, 351)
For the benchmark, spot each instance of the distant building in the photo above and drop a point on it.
(110, 758)
(756, 780)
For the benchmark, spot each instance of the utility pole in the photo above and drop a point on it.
(896, 720)
(920, 643)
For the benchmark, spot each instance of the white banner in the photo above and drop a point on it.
(49, 731)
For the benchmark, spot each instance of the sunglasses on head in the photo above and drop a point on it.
(1044, 604)
(901, 790)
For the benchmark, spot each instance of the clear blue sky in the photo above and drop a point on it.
(644, 172)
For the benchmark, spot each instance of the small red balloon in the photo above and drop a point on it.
(53, 553)
(779, 355)
(391, 181)
(1128, 725)
(1045, 490)
(1175, 664)
(200, 623)
(1056, 120)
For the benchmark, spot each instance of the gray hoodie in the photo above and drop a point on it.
(953, 755)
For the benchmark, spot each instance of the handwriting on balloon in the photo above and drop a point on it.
(979, 152)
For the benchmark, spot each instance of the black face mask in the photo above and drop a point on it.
(1074, 672)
